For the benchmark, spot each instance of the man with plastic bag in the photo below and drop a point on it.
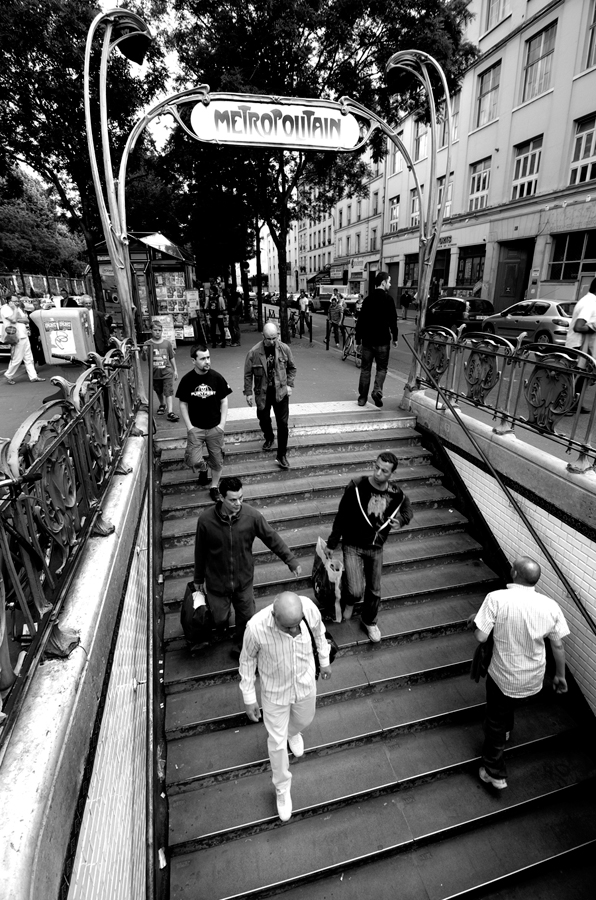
(370, 507)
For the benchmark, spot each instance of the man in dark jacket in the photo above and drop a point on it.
(224, 563)
(271, 365)
(375, 327)
(370, 507)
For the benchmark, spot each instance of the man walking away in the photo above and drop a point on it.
(271, 364)
(277, 643)
(224, 563)
(203, 395)
(370, 507)
(519, 619)
(375, 327)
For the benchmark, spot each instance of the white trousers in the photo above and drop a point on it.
(282, 722)
(21, 353)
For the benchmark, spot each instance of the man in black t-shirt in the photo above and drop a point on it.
(203, 395)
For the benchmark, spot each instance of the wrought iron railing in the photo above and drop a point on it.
(54, 474)
(534, 387)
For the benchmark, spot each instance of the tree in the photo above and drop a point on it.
(32, 237)
(312, 49)
(42, 116)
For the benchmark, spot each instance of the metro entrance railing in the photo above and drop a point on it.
(54, 474)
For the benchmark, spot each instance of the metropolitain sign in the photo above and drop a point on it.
(291, 124)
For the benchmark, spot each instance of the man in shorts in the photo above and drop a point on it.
(203, 395)
(164, 370)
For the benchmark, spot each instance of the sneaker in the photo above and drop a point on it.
(235, 651)
(498, 783)
(348, 613)
(361, 401)
(282, 461)
(373, 632)
(296, 745)
(214, 494)
(284, 805)
(376, 399)
(268, 444)
(204, 478)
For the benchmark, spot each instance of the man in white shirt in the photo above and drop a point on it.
(519, 619)
(582, 331)
(277, 642)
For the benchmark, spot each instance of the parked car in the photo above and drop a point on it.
(451, 312)
(545, 321)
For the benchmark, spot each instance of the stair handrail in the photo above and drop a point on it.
(555, 566)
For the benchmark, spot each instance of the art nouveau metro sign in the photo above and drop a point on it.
(292, 124)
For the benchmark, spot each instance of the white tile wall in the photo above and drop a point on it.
(573, 553)
(110, 858)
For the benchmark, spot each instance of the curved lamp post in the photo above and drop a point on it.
(419, 65)
(129, 33)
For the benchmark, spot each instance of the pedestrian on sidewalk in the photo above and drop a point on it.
(101, 324)
(14, 317)
(334, 319)
(235, 311)
(165, 372)
(216, 307)
(375, 327)
(203, 395)
(582, 333)
(271, 365)
(304, 306)
(519, 619)
(224, 561)
(406, 300)
(277, 643)
(370, 507)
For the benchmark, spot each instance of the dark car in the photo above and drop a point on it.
(451, 312)
(543, 321)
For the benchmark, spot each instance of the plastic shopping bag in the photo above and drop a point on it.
(326, 582)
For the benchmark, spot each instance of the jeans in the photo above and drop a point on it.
(217, 321)
(281, 410)
(244, 607)
(497, 722)
(380, 355)
(235, 329)
(362, 578)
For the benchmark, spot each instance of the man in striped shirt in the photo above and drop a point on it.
(519, 619)
(277, 642)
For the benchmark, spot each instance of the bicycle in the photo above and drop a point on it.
(351, 348)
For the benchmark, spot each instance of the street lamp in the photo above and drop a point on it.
(129, 33)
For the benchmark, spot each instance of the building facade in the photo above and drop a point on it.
(520, 217)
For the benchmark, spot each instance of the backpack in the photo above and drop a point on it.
(196, 621)
(326, 583)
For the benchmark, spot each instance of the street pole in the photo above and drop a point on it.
(129, 33)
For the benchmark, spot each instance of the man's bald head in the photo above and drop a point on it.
(525, 571)
(287, 609)
(270, 332)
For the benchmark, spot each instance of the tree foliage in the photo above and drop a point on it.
(312, 49)
(32, 235)
(42, 120)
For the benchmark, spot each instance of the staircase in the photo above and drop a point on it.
(387, 802)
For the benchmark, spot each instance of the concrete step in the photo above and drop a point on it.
(310, 444)
(349, 463)
(395, 752)
(399, 624)
(448, 575)
(322, 512)
(360, 420)
(295, 490)
(374, 828)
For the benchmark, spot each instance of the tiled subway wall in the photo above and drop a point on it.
(574, 553)
(110, 857)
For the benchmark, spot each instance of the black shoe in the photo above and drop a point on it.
(204, 479)
(376, 399)
(235, 651)
(214, 494)
(282, 461)
(268, 444)
(361, 401)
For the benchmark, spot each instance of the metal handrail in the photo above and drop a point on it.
(150, 724)
(558, 571)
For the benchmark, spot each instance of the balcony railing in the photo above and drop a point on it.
(534, 387)
(54, 474)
